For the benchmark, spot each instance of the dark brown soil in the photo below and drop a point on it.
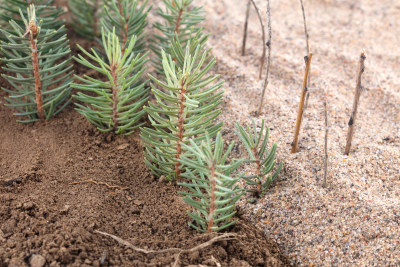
(45, 218)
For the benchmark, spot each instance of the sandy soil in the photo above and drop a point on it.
(355, 221)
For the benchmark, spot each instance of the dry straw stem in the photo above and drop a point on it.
(301, 105)
(326, 141)
(178, 251)
(355, 104)
(262, 60)
(268, 44)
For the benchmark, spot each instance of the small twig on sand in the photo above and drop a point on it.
(268, 44)
(100, 183)
(301, 105)
(355, 104)
(308, 50)
(246, 23)
(178, 251)
(263, 34)
(326, 141)
(263, 38)
(305, 27)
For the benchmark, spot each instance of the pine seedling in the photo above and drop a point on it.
(259, 154)
(48, 14)
(38, 61)
(129, 19)
(84, 17)
(187, 103)
(212, 191)
(179, 18)
(118, 98)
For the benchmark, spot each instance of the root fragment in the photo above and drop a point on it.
(99, 183)
(177, 251)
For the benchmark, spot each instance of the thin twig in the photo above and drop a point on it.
(305, 27)
(100, 183)
(262, 59)
(301, 105)
(326, 141)
(268, 44)
(178, 251)
(308, 50)
(355, 103)
(246, 23)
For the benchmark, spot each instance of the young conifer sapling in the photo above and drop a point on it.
(129, 19)
(39, 63)
(260, 156)
(179, 18)
(187, 103)
(84, 17)
(44, 9)
(212, 190)
(118, 100)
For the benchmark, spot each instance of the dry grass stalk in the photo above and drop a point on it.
(357, 95)
(326, 142)
(301, 105)
(262, 60)
(268, 44)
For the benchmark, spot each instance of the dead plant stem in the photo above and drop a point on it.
(301, 105)
(268, 44)
(308, 51)
(246, 24)
(326, 141)
(262, 59)
(357, 95)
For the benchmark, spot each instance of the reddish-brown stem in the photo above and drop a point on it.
(178, 24)
(114, 90)
(125, 32)
(178, 21)
(181, 120)
(258, 171)
(213, 199)
(32, 32)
